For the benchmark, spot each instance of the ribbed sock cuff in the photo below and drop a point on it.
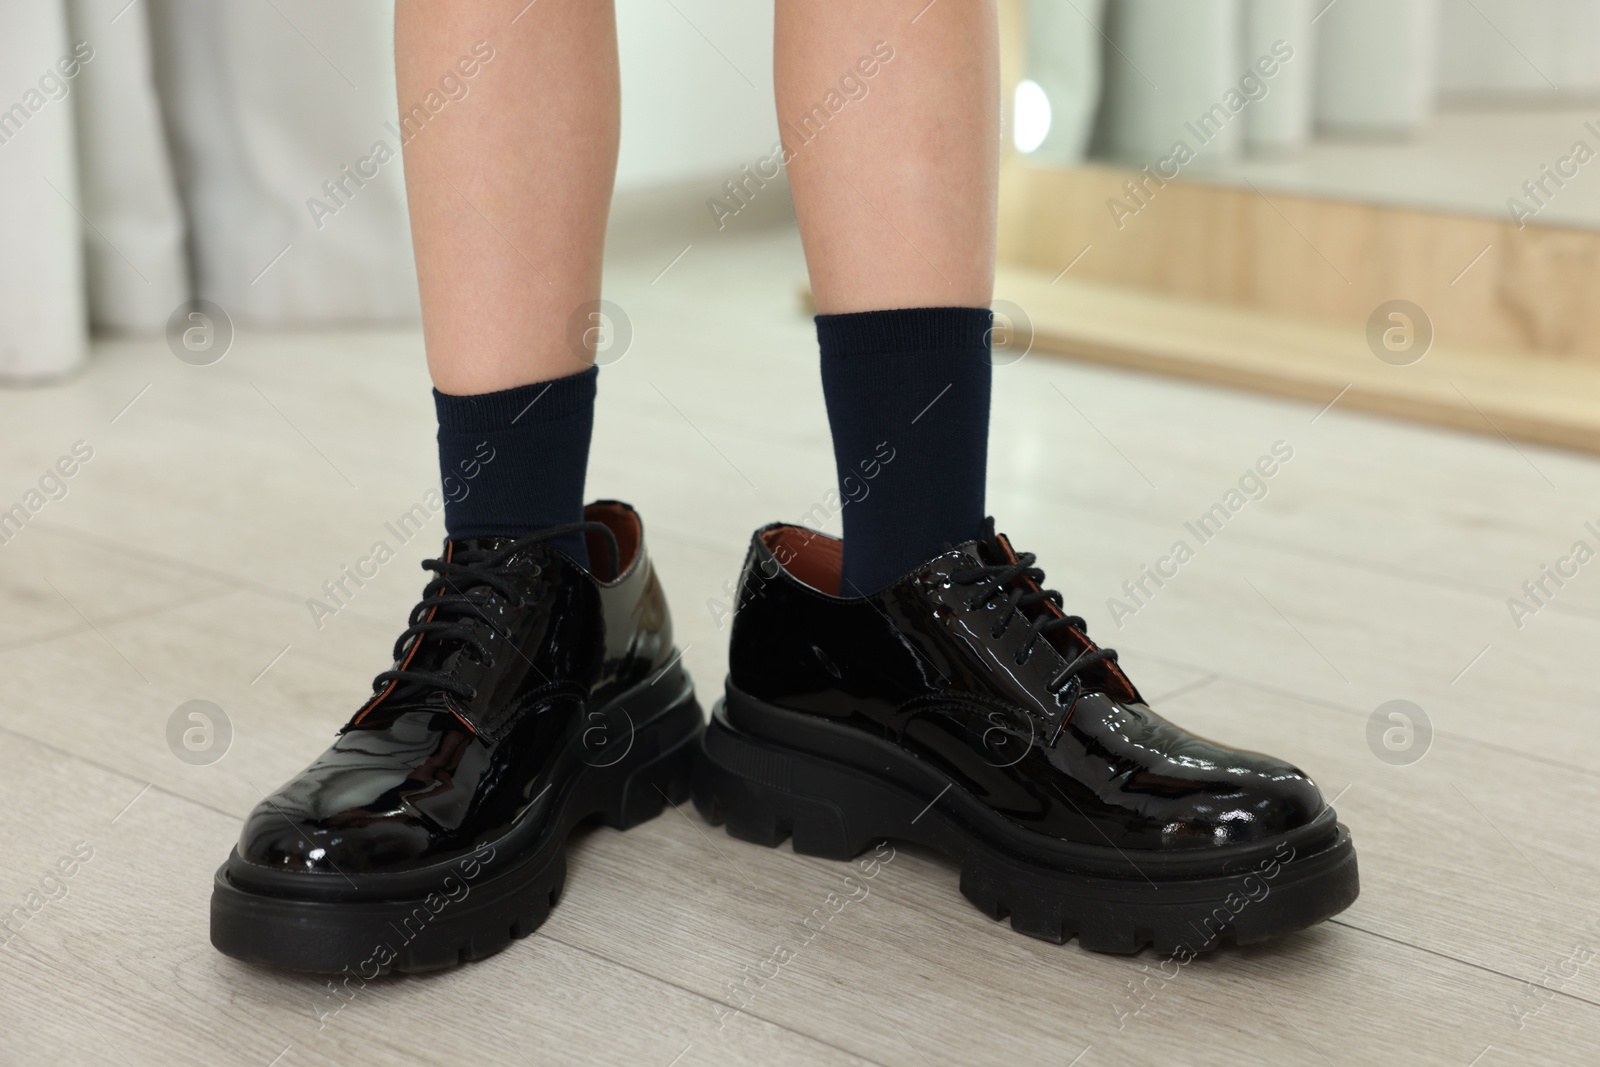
(540, 402)
(874, 333)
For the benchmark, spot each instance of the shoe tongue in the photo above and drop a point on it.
(995, 551)
(479, 545)
(469, 550)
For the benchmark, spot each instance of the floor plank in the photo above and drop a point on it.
(179, 567)
(115, 966)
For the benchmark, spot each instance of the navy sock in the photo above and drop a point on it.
(908, 403)
(513, 461)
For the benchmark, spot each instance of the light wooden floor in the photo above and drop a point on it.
(1377, 568)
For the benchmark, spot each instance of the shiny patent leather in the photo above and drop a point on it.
(421, 775)
(924, 665)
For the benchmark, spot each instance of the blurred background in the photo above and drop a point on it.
(193, 150)
(1294, 164)
(1360, 234)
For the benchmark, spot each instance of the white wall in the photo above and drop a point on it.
(689, 112)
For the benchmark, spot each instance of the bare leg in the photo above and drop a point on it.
(510, 187)
(896, 194)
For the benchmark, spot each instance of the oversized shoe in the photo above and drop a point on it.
(960, 708)
(528, 695)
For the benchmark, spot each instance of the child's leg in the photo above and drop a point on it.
(896, 197)
(509, 191)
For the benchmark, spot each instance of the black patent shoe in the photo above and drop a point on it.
(962, 709)
(528, 695)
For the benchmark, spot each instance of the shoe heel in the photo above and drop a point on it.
(747, 788)
(647, 783)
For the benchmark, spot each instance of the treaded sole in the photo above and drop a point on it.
(466, 917)
(766, 793)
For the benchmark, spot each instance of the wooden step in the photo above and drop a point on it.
(1483, 281)
(1516, 394)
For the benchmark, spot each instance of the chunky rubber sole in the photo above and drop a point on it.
(468, 908)
(1182, 903)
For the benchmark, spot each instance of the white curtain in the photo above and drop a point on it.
(1172, 61)
(1377, 66)
(1064, 61)
(42, 325)
(1360, 67)
(160, 149)
(136, 267)
(265, 102)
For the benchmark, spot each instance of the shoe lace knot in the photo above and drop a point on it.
(1015, 587)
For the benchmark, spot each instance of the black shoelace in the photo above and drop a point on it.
(447, 612)
(993, 580)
